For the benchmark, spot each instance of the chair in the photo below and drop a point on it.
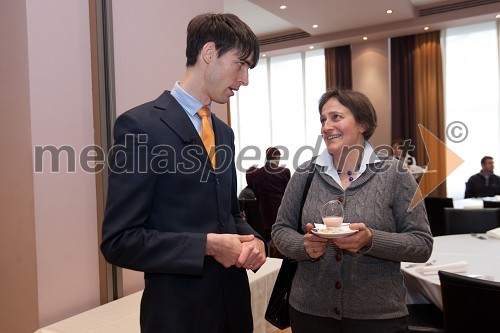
(425, 318)
(252, 214)
(435, 213)
(491, 204)
(469, 304)
(464, 221)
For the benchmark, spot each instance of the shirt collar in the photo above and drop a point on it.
(326, 161)
(188, 102)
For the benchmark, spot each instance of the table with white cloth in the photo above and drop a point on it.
(122, 315)
(480, 252)
(469, 203)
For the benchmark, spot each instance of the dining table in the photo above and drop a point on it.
(477, 255)
(122, 315)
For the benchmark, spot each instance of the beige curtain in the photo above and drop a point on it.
(429, 108)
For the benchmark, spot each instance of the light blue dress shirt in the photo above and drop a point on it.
(190, 104)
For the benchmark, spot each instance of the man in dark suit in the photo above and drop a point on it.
(172, 214)
(269, 184)
(484, 183)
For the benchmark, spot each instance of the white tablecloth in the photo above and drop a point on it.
(482, 256)
(122, 315)
(469, 203)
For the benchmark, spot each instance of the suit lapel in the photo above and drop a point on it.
(175, 117)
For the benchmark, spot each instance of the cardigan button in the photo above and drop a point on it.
(341, 199)
(338, 285)
(338, 256)
(337, 311)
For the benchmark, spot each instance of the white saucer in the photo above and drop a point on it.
(336, 234)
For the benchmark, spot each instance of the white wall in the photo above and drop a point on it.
(61, 114)
(370, 75)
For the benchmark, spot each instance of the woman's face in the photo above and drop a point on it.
(339, 127)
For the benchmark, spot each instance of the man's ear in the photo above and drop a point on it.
(208, 52)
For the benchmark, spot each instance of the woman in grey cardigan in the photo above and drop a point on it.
(352, 284)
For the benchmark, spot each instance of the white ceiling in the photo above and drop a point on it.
(343, 22)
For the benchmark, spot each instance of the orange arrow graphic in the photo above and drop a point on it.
(442, 162)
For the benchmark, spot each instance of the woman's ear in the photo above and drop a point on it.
(362, 129)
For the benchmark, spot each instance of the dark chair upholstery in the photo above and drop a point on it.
(435, 213)
(250, 207)
(491, 204)
(464, 221)
(425, 318)
(469, 304)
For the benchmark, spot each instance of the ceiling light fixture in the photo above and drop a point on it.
(389, 11)
(282, 7)
(365, 38)
(498, 16)
(426, 28)
(263, 55)
(315, 26)
(311, 47)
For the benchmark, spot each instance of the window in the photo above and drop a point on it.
(279, 108)
(472, 98)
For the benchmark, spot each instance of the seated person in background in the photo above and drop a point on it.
(400, 148)
(485, 183)
(247, 192)
(269, 183)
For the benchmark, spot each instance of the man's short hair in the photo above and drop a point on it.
(228, 33)
(484, 159)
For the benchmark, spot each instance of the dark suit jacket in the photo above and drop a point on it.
(162, 201)
(269, 184)
(476, 186)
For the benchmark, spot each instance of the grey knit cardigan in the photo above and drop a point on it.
(369, 284)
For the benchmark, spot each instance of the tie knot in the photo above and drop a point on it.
(204, 112)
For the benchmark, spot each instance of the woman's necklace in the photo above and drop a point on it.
(350, 173)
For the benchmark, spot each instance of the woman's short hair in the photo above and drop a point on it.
(228, 33)
(360, 106)
(272, 153)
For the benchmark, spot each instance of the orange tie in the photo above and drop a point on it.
(207, 133)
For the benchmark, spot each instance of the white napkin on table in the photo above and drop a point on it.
(495, 233)
(455, 267)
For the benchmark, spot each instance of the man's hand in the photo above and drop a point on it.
(315, 246)
(253, 254)
(239, 250)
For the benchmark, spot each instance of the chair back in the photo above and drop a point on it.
(435, 213)
(252, 214)
(464, 221)
(469, 304)
(491, 204)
